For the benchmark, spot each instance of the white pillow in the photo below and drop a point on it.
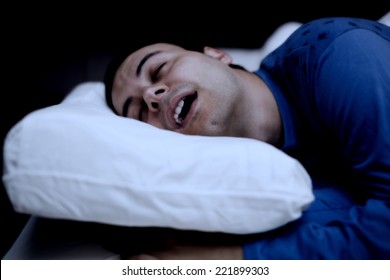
(77, 160)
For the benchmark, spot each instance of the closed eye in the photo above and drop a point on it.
(155, 74)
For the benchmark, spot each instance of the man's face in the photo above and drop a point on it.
(179, 90)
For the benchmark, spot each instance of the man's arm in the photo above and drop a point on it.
(353, 100)
(353, 103)
(192, 252)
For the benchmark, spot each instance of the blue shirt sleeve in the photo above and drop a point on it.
(353, 103)
(337, 95)
(333, 228)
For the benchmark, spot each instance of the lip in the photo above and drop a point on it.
(172, 106)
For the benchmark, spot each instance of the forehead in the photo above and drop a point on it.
(138, 55)
(128, 67)
(126, 73)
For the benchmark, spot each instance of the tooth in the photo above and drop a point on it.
(178, 111)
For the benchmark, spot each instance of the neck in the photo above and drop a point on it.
(262, 121)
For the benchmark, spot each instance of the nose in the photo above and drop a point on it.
(153, 96)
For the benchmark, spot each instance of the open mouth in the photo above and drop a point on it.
(183, 107)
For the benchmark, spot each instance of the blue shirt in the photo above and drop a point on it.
(331, 81)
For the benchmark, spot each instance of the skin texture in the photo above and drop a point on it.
(188, 252)
(228, 102)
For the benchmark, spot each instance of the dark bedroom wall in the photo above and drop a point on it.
(48, 50)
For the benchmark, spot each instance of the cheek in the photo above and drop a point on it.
(199, 70)
(215, 110)
(153, 119)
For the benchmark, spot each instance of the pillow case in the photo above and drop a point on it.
(78, 160)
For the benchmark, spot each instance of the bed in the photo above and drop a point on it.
(83, 213)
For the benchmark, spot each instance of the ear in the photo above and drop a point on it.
(218, 54)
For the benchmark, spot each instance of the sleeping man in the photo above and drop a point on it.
(322, 97)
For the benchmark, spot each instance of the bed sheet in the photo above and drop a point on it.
(52, 239)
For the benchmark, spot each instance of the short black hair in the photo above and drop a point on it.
(122, 54)
(109, 76)
(112, 68)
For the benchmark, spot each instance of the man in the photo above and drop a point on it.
(322, 97)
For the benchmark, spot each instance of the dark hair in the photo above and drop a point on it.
(112, 68)
(118, 59)
(109, 76)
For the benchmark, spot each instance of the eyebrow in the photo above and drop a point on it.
(143, 61)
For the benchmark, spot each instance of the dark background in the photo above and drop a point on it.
(50, 49)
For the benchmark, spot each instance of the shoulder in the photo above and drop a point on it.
(321, 32)
(311, 43)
